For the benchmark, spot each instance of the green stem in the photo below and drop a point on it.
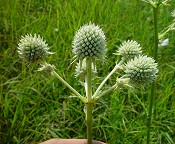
(107, 91)
(155, 10)
(52, 71)
(117, 66)
(70, 87)
(89, 107)
(89, 104)
(156, 39)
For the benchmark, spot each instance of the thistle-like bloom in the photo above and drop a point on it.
(141, 70)
(89, 41)
(32, 48)
(129, 49)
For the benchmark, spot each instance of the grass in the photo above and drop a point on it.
(35, 107)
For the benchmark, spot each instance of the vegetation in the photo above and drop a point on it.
(36, 107)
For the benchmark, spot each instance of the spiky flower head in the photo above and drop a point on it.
(141, 70)
(32, 48)
(129, 49)
(89, 41)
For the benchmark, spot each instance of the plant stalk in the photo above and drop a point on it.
(89, 104)
(117, 66)
(153, 86)
(68, 85)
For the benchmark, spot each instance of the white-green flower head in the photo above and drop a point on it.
(89, 41)
(129, 49)
(32, 48)
(141, 70)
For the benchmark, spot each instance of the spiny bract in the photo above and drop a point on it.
(89, 41)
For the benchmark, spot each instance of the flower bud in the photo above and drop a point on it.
(32, 48)
(122, 82)
(81, 69)
(89, 41)
(129, 49)
(141, 70)
(47, 68)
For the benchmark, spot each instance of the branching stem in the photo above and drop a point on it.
(117, 66)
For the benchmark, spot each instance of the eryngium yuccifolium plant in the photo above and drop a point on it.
(129, 49)
(32, 48)
(141, 70)
(89, 41)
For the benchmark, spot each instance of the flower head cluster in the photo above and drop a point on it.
(129, 49)
(32, 48)
(89, 41)
(141, 70)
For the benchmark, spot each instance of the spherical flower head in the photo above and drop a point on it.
(129, 49)
(32, 48)
(141, 70)
(89, 41)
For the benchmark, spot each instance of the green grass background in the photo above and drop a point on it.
(35, 107)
